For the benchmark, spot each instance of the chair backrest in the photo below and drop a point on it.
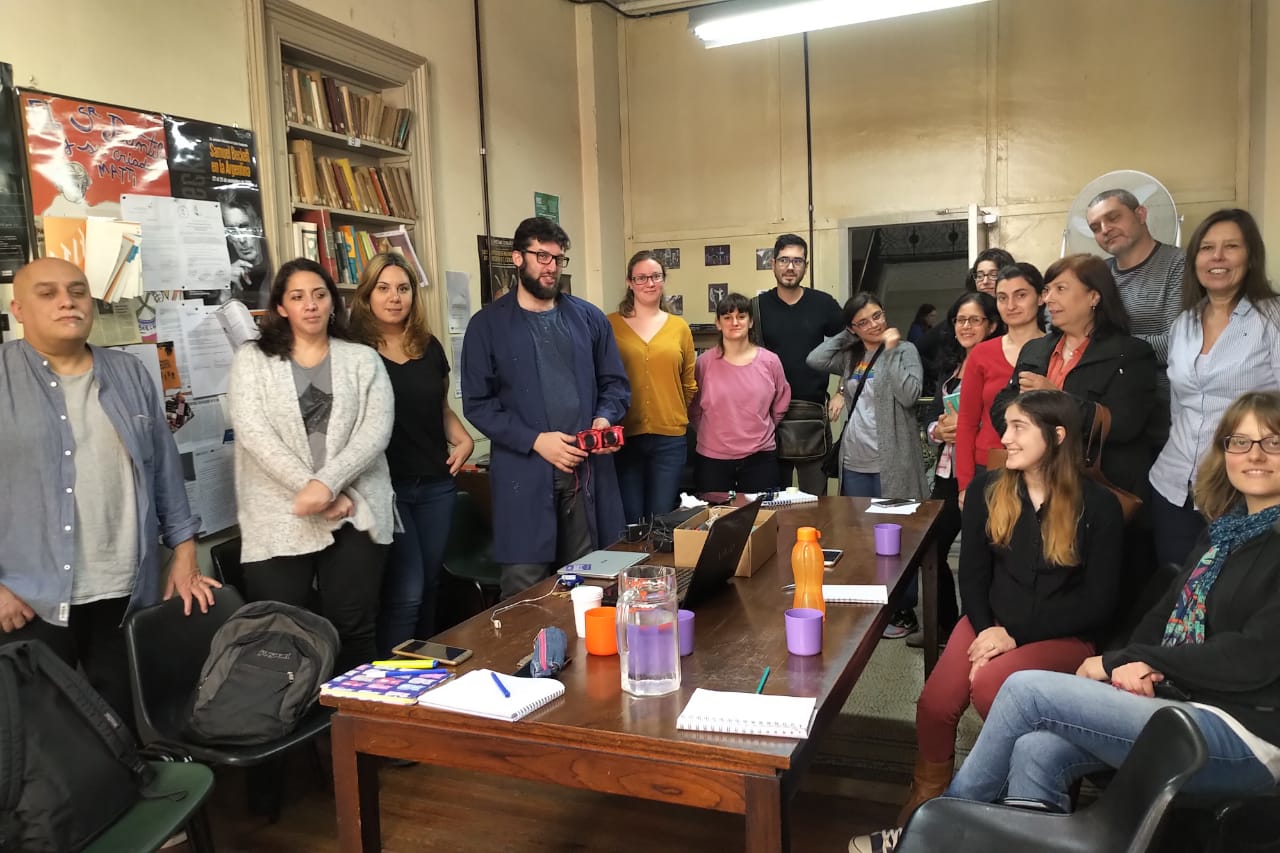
(166, 652)
(1168, 752)
(226, 563)
(469, 553)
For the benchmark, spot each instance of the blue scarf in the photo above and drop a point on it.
(1226, 534)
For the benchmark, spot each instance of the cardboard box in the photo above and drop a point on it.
(761, 545)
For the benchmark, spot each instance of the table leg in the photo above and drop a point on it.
(768, 829)
(929, 602)
(355, 791)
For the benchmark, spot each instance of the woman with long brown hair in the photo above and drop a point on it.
(429, 443)
(1039, 563)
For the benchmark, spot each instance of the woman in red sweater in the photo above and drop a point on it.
(990, 364)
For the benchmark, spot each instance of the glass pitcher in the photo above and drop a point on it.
(648, 648)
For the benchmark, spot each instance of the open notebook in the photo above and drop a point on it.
(476, 693)
(747, 713)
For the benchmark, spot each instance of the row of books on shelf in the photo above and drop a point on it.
(345, 250)
(323, 102)
(337, 182)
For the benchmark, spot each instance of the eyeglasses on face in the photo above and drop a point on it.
(868, 322)
(797, 263)
(656, 278)
(969, 321)
(1238, 443)
(545, 258)
(986, 276)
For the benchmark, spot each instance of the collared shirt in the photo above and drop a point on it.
(1060, 365)
(37, 507)
(1245, 357)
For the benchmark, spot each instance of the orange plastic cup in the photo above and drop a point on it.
(602, 631)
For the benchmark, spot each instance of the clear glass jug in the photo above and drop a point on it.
(648, 648)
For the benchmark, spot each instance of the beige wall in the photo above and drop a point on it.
(1011, 105)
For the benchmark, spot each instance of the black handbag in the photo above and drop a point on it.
(804, 434)
(831, 462)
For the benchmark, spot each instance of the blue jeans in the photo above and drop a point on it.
(1048, 729)
(412, 579)
(649, 468)
(854, 484)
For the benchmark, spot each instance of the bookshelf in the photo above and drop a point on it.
(342, 121)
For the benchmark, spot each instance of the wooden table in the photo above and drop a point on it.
(598, 738)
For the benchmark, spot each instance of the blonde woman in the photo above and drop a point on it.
(429, 444)
(657, 352)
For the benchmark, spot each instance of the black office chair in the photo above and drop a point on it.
(1237, 824)
(226, 563)
(166, 652)
(1123, 820)
(469, 554)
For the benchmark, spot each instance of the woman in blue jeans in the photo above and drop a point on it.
(657, 351)
(428, 444)
(1213, 640)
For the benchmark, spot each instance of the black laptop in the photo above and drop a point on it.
(718, 561)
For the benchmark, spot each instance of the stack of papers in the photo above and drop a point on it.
(893, 508)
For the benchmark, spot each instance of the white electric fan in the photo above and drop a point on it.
(1163, 219)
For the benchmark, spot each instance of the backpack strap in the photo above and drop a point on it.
(115, 733)
(13, 745)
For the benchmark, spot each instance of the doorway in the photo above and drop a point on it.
(910, 264)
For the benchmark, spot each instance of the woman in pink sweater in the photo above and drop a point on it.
(989, 366)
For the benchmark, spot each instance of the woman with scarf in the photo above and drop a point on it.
(1211, 646)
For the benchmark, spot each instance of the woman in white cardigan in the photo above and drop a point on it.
(312, 413)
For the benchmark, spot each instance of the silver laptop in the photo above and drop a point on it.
(604, 565)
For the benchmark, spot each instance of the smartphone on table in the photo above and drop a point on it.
(888, 502)
(831, 556)
(444, 655)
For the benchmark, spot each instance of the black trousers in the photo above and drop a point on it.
(947, 528)
(348, 575)
(575, 536)
(755, 473)
(94, 641)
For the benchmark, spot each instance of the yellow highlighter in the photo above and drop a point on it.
(416, 663)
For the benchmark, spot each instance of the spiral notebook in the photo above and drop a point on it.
(477, 694)
(748, 713)
(854, 593)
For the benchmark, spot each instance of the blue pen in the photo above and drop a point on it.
(501, 686)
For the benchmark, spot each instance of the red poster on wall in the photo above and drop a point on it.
(82, 156)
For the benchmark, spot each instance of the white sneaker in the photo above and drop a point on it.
(883, 841)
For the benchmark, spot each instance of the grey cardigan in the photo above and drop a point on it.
(273, 458)
(899, 377)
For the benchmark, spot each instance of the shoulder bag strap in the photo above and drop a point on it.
(1099, 428)
(759, 319)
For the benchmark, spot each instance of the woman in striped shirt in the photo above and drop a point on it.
(1224, 343)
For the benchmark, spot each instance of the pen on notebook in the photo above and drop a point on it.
(385, 671)
(501, 686)
(763, 679)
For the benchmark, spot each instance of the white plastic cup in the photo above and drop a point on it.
(585, 597)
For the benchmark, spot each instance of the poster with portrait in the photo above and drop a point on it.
(212, 162)
(497, 272)
(82, 155)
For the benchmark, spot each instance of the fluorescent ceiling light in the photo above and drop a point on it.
(751, 20)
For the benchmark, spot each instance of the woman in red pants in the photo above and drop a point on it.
(1039, 564)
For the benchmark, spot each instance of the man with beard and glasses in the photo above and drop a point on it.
(538, 367)
(790, 322)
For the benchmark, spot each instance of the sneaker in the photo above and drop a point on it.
(903, 623)
(916, 639)
(884, 841)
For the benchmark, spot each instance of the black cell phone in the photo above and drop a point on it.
(831, 556)
(1169, 690)
(442, 654)
(892, 502)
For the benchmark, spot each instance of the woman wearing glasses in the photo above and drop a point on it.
(1225, 342)
(880, 379)
(389, 315)
(657, 352)
(981, 277)
(1211, 645)
(991, 364)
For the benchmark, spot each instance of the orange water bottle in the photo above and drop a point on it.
(806, 566)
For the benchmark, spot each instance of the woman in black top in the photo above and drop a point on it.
(387, 313)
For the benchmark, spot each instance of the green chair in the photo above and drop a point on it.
(469, 554)
(173, 801)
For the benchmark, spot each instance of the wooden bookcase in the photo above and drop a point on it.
(282, 35)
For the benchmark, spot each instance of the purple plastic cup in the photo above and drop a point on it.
(804, 631)
(684, 631)
(888, 539)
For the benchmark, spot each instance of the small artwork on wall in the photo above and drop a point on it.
(716, 256)
(716, 292)
(669, 258)
(764, 258)
(675, 304)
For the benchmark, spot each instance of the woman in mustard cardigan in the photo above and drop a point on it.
(657, 352)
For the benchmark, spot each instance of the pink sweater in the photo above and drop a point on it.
(986, 373)
(737, 407)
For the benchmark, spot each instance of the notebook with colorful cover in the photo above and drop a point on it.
(399, 687)
(748, 713)
(478, 694)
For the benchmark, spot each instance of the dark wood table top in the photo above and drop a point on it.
(737, 634)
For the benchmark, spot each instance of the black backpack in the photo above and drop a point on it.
(69, 766)
(263, 674)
